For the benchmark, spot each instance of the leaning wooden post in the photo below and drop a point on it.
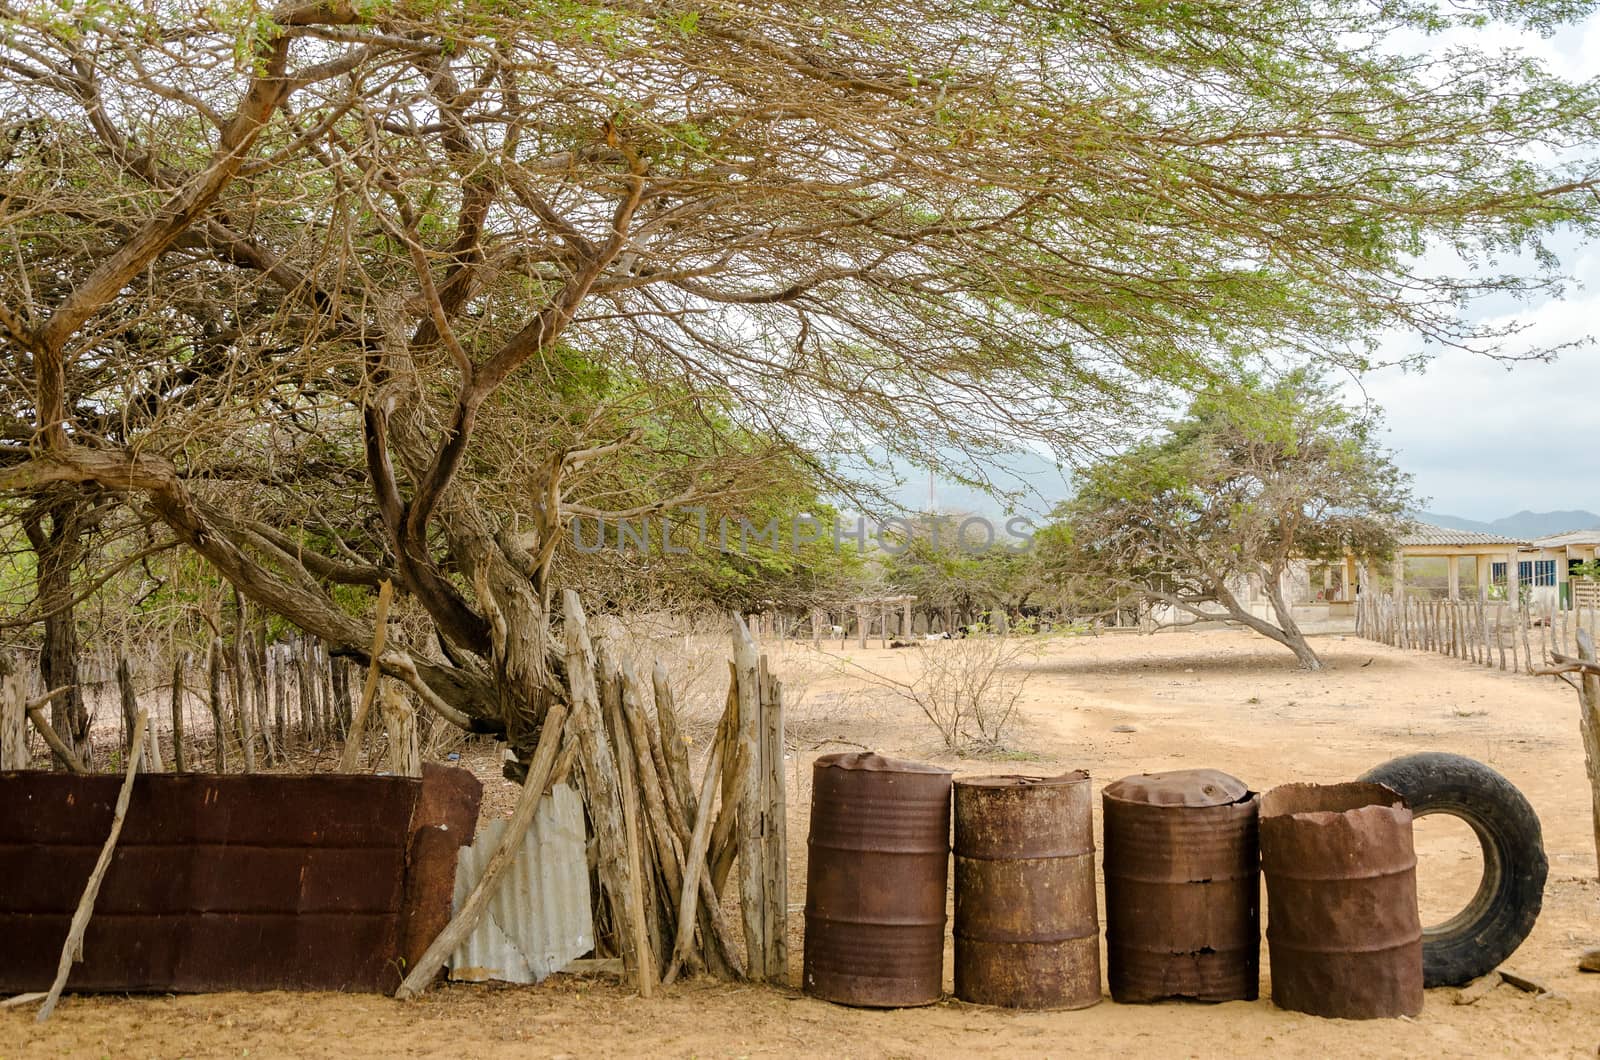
(505, 853)
(723, 845)
(695, 864)
(350, 757)
(752, 863)
(618, 874)
(674, 745)
(635, 823)
(72, 949)
(657, 827)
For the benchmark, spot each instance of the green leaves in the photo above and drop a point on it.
(1258, 473)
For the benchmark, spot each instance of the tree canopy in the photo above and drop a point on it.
(1256, 475)
(334, 292)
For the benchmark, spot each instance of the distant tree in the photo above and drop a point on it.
(1256, 474)
(964, 573)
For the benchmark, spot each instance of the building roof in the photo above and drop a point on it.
(1569, 537)
(1420, 535)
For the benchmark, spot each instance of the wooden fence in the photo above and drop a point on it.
(663, 853)
(242, 705)
(1488, 633)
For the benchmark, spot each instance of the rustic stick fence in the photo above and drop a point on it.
(663, 856)
(243, 704)
(666, 855)
(667, 842)
(1484, 632)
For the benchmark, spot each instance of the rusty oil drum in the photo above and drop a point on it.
(1026, 930)
(876, 874)
(1183, 890)
(1343, 929)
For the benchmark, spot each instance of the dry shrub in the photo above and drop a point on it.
(968, 688)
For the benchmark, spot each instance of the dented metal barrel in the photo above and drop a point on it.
(1183, 891)
(877, 868)
(1342, 923)
(1026, 930)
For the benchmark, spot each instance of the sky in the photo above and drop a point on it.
(1481, 441)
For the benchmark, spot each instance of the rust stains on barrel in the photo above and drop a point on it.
(1027, 932)
(876, 874)
(1183, 890)
(1342, 923)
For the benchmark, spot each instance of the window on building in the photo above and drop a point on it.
(1529, 572)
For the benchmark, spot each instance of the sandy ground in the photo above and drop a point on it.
(1220, 699)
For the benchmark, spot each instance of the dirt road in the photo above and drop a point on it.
(1220, 699)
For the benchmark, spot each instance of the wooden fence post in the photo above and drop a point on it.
(674, 746)
(179, 756)
(619, 864)
(278, 671)
(400, 723)
(13, 718)
(238, 685)
(219, 753)
(1589, 726)
(129, 700)
(752, 862)
(775, 839)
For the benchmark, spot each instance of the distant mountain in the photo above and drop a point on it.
(1031, 485)
(1524, 524)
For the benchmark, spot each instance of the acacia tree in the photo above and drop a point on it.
(305, 284)
(1256, 476)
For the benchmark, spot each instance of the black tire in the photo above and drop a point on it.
(1478, 939)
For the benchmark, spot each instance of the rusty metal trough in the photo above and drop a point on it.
(231, 882)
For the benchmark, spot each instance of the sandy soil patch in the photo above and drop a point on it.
(1221, 699)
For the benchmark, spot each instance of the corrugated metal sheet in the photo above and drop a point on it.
(218, 882)
(540, 919)
(1417, 535)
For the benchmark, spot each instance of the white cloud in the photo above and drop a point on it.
(1486, 440)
